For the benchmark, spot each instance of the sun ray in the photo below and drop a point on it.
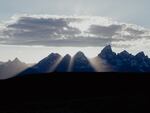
(100, 65)
(70, 64)
(55, 65)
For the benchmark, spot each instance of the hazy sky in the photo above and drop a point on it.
(32, 29)
(133, 11)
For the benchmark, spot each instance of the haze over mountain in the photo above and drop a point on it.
(11, 68)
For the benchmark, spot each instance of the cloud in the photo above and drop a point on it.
(105, 31)
(47, 30)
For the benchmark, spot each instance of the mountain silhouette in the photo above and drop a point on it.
(126, 62)
(54, 63)
(44, 66)
(81, 63)
(63, 66)
(108, 54)
(106, 61)
(11, 68)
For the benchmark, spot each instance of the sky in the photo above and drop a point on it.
(133, 11)
(44, 26)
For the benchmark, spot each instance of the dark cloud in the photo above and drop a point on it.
(39, 28)
(135, 32)
(105, 31)
(58, 31)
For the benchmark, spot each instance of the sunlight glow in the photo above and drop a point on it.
(55, 65)
(87, 21)
(100, 65)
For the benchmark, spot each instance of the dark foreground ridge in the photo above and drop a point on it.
(76, 93)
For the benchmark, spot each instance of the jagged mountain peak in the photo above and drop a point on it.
(124, 54)
(140, 54)
(107, 52)
(126, 62)
(79, 53)
(63, 66)
(67, 55)
(81, 63)
(54, 55)
(107, 48)
(50, 58)
(16, 60)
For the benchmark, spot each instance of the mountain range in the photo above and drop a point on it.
(125, 62)
(106, 61)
